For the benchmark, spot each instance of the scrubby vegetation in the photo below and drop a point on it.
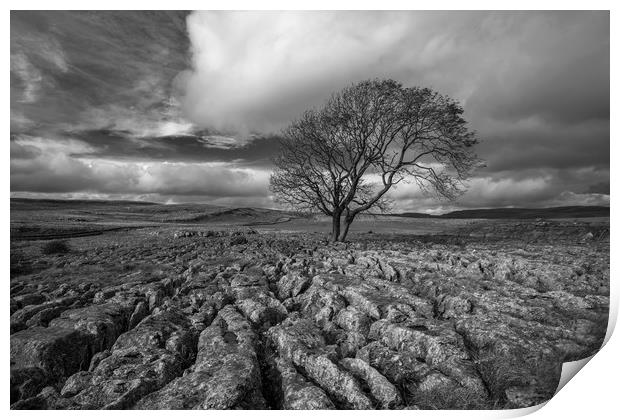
(55, 247)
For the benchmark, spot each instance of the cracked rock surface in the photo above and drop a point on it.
(196, 319)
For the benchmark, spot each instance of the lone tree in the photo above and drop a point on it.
(342, 159)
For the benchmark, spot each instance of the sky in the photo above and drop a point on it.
(180, 107)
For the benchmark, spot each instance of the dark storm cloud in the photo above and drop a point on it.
(537, 144)
(599, 188)
(166, 104)
(91, 68)
(122, 145)
(541, 188)
(53, 167)
(557, 70)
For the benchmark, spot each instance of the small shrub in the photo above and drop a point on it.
(238, 240)
(55, 247)
(19, 264)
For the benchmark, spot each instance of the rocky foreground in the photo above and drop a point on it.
(157, 319)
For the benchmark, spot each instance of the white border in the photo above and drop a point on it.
(592, 394)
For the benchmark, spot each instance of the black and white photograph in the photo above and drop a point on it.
(306, 209)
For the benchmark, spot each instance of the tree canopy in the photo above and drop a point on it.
(343, 158)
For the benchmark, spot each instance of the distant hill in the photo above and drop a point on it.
(195, 212)
(414, 215)
(519, 213)
(24, 211)
(51, 202)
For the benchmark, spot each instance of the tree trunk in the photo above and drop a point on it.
(335, 227)
(347, 223)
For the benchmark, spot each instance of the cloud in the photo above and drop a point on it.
(223, 142)
(554, 66)
(536, 143)
(258, 70)
(599, 188)
(254, 152)
(254, 71)
(177, 106)
(29, 76)
(40, 165)
(23, 151)
(538, 189)
(73, 168)
(101, 69)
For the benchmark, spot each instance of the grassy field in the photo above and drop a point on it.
(38, 218)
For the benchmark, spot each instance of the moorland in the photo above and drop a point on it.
(132, 305)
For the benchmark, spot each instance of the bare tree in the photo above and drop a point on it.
(342, 159)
